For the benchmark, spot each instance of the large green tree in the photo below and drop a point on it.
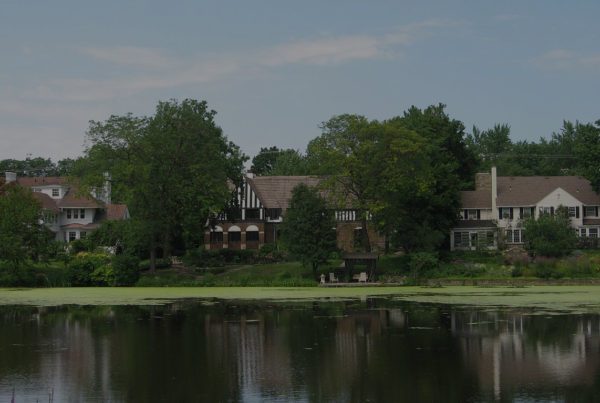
(550, 234)
(22, 233)
(307, 228)
(173, 169)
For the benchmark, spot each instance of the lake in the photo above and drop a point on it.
(381, 349)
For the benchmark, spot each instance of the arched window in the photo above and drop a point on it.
(235, 234)
(252, 233)
(216, 235)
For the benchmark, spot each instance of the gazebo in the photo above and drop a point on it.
(353, 259)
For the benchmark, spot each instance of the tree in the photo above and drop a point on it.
(22, 234)
(263, 162)
(37, 166)
(173, 169)
(290, 162)
(549, 235)
(307, 227)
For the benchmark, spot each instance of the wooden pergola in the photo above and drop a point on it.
(353, 259)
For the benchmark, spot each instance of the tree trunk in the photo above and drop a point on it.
(152, 257)
(365, 234)
(314, 267)
(167, 245)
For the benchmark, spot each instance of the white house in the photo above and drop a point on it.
(67, 212)
(499, 203)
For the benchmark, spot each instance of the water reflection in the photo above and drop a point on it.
(378, 350)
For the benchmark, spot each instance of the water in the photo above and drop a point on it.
(377, 350)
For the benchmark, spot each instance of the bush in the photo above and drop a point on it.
(125, 270)
(422, 262)
(550, 235)
(81, 267)
(215, 258)
(160, 264)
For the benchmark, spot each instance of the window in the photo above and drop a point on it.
(252, 214)
(593, 232)
(472, 214)
(590, 211)
(274, 213)
(546, 210)
(506, 213)
(216, 237)
(526, 212)
(82, 234)
(516, 236)
(72, 236)
(235, 236)
(251, 236)
(358, 237)
(75, 213)
(69, 213)
(582, 232)
(509, 236)
(55, 192)
(461, 239)
(573, 212)
(82, 213)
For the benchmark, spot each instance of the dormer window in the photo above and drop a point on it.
(55, 192)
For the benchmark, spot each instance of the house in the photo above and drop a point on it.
(67, 212)
(262, 202)
(492, 213)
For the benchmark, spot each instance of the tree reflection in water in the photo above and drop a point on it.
(375, 350)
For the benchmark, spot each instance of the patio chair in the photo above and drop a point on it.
(332, 278)
(362, 278)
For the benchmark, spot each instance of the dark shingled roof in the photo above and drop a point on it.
(528, 190)
(476, 198)
(276, 191)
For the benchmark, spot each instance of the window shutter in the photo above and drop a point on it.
(596, 210)
(520, 212)
(500, 213)
(577, 212)
(551, 210)
(511, 213)
(478, 214)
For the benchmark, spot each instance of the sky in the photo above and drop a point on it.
(274, 70)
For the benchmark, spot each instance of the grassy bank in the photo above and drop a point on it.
(544, 299)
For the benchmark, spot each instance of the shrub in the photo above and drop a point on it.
(81, 267)
(125, 270)
(160, 264)
(550, 235)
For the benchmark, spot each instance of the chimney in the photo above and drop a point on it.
(494, 193)
(250, 174)
(10, 176)
(107, 188)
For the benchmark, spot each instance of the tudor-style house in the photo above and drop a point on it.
(263, 201)
(66, 212)
(495, 209)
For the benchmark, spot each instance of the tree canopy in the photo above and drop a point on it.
(549, 235)
(22, 233)
(307, 230)
(403, 174)
(173, 169)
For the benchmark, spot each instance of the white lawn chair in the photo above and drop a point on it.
(362, 278)
(332, 278)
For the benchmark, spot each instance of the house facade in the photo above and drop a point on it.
(492, 213)
(262, 202)
(67, 212)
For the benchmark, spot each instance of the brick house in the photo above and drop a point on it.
(263, 201)
(494, 210)
(67, 212)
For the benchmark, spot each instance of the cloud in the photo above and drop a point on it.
(562, 59)
(161, 71)
(132, 55)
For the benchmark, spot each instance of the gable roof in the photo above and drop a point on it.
(28, 182)
(276, 191)
(529, 190)
(48, 203)
(476, 198)
(73, 199)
